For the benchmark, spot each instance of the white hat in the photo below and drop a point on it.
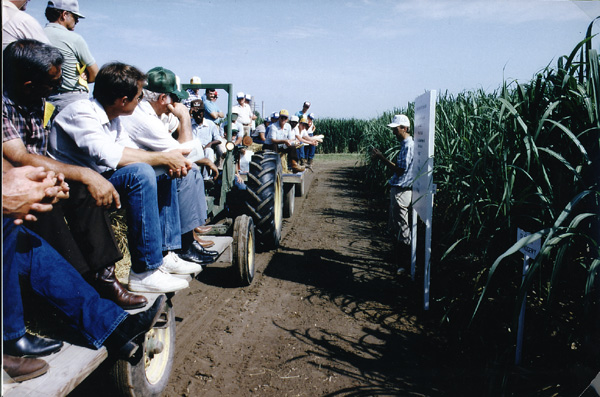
(240, 95)
(248, 97)
(294, 118)
(195, 80)
(311, 116)
(398, 120)
(65, 5)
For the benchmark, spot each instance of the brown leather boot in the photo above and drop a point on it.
(21, 368)
(204, 243)
(109, 287)
(295, 167)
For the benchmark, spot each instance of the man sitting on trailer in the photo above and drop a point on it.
(26, 255)
(147, 130)
(90, 133)
(278, 139)
(206, 132)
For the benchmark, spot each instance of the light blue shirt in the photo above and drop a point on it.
(404, 161)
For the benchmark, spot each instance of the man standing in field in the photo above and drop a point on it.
(401, 188)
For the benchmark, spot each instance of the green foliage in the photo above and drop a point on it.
(525, 156)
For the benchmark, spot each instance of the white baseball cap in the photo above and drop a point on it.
(195, 80)
(240, 95)
(294, 118)
(399, 120)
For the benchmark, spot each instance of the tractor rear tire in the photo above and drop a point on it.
(265, 198)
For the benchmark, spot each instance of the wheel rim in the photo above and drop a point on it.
(156, 364)
(250, 251)
(278, 204)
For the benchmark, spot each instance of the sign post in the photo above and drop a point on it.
(530, 251)
(423, 187)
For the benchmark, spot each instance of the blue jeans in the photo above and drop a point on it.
(192, 200)
(309, 150)
(27, 255)
(152, 228)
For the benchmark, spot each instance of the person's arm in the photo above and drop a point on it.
(181, 111)
(92, 71)
(207, 162)
(101, 189)
(376, 154)
(174, 160)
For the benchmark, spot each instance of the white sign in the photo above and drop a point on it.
(424, 134)
(531, 249)
(423, 187)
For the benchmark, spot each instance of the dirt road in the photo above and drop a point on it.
(325, 315)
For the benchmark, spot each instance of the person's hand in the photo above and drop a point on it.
(177, 163)
(238, 178)
(179, 110)
(214, 170)
(26, 189)
(375, 153)
(102, 190)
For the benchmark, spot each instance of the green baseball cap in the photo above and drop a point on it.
(164, 81)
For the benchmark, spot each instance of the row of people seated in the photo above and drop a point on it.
(112, 151)
(295, 133)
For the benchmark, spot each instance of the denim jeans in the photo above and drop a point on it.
(52, 277)
(192, 200)
(309, 150)
(152, 214)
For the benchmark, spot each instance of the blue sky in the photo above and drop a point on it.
(350, 58)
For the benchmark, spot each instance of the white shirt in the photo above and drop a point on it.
(17, 24)
(277, 132)
(244, 113)
(147, 130)
(83, 135)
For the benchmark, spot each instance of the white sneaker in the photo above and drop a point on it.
(155, 281)
(175, 265)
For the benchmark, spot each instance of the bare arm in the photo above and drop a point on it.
(92, 72)
(376, 154)
(205, 161)
(101, 189)
(181, 111)
(176, 162)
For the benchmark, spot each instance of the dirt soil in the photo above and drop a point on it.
(325, 315)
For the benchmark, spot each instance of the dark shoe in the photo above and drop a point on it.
(198, 254)
(20, 368)
(109, 287)
(121, 340)
(31, 346)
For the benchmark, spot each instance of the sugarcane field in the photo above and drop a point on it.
(358, 198)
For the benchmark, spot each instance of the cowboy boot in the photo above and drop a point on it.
(107, 285)
(295, 167)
